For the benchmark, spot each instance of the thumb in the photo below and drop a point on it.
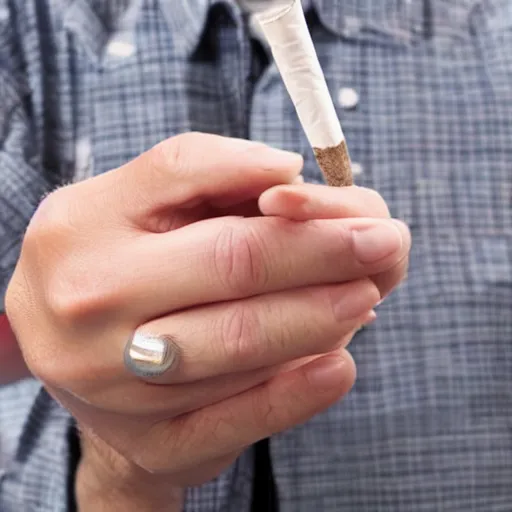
(192, 168)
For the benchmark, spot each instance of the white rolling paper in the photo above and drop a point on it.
(295, 56)
(284, 26)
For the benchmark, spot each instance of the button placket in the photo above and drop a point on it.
(348, 100)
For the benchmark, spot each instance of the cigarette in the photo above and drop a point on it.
(285, 28)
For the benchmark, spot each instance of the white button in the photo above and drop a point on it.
(357, 168)
(4, 14)
(352, 26)
(119, 48)
(348, 98)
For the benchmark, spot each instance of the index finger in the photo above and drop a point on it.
(308, 201)
(195, 167)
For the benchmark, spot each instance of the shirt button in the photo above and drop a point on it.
(352, 26)
(348, 98)
(119, 48)
(4, 13)
(357, 169)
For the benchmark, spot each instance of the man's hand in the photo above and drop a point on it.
(260, 308)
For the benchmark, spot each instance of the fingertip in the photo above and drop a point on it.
(284, 200)
(332, 372)
(405, 232)
(351, 368)
(370, 318)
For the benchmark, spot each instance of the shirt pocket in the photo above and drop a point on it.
(459, 300)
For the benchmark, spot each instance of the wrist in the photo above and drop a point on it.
(106, 482)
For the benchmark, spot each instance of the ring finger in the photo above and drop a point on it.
(254, 333)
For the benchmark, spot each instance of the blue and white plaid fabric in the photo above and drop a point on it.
(86, 85)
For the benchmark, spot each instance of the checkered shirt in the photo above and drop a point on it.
(86, 85)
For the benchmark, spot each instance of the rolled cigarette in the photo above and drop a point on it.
(285, 28)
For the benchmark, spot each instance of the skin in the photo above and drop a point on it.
(260, 280)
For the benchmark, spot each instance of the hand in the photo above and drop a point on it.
(320, 202)
(252, 303)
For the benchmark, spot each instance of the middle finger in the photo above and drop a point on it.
(232, 258)
(261, 331)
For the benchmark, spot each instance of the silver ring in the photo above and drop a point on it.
(149, 356)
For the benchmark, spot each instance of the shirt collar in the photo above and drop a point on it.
(80, 18)
(394, 21)
(381, 20)
(187, 20)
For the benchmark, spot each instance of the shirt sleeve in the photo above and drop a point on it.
(23, 181)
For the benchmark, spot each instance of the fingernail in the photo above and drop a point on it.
(326, 372)
(369, 318)
(376, 242)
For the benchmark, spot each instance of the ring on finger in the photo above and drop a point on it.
(148, 355)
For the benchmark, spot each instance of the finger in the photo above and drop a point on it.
(231, 258)
(366, 319)
(389, 280)
(198, 475)
(258, 332)
(112, 390)
(287, 400)
(190, 168)
(369, 318)
(312, 201)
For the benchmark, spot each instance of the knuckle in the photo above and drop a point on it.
(241, 333)
(331, 299)
(341, 255)
(50, 223)
(163, 154)
(238, 260)
(224, 429)
(345, 238)
(64, 305)
(265, 412)
(172, 153)
(273, 414)
(74, 295)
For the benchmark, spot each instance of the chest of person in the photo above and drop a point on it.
(423, 92)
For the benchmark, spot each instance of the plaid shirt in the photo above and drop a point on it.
(86, 85)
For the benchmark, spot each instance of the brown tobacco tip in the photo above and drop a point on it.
(335, 164)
